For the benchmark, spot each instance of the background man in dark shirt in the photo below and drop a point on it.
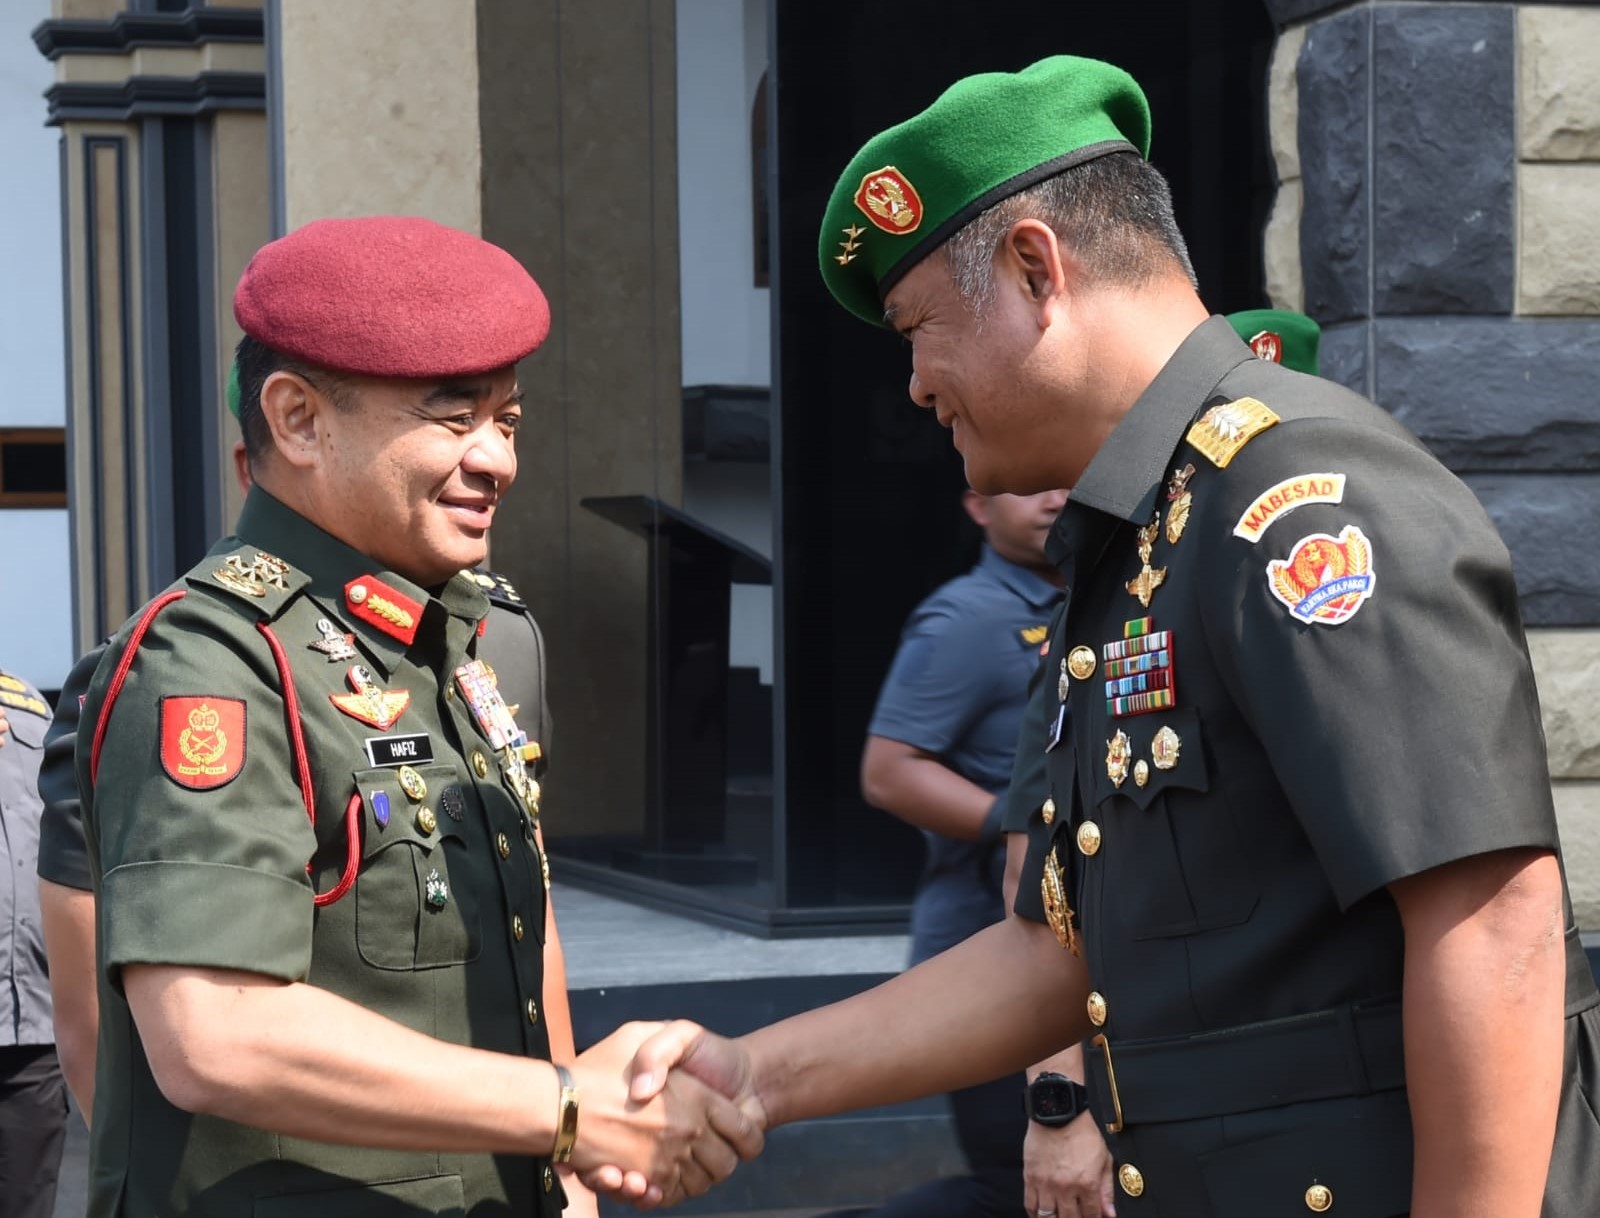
(938, 756)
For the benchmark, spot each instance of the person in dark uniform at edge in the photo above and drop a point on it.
(33, 1099)
(513, 645)
(318, 989)
(938, 755)
(1298, 879)
(1067, 1168)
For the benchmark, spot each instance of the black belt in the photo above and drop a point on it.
(1332, 1054)
(1325, 1055)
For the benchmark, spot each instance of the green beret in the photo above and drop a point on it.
(233, 389)
(986, 138)
(1282, 336)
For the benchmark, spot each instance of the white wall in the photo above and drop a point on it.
(35, 584)
(721, 55)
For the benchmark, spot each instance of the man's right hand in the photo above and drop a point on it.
(1067, 1170)
(660, 1139)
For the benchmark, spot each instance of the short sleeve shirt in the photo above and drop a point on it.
(956, 689)
(24, 982)
(294, 779)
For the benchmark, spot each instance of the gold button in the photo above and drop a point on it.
(358, 594)
(1089, 838)
(1080, 662)
(503, 844)
(412, 784)
(1048, 811)
(549, 1179)
(1131, 1179)
(1141, 773)
(480, 764)
(449, 693)
(427, 822)
(516, 927)
(1319, 1198)
(533, 1011)
(1097, 1010)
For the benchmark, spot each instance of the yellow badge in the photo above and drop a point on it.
(1144, 585)
(263, 572)
(1053, 889)
(1164, 749)
(1182, 500)
(1034, 635)
(1119, 754)
(1278, 501)
(851, 245)
(1223, 430)
(14, 685)
(25, 702)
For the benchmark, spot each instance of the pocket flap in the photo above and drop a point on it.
(1165, 747)
(1360, 1160)
(392, 815)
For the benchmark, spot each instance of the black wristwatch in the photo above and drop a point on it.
(1054, 1099)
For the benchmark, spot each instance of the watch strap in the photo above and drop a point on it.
(566, 1118)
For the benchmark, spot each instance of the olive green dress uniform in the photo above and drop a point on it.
(204, 855)
(1327, 691)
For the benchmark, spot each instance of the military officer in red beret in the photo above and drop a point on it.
(311, 814)
(1297, 878)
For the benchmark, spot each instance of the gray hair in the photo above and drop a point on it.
(1114, 213)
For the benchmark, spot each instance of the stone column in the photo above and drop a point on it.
(1448, 160)
(549, 128)
(152, 108)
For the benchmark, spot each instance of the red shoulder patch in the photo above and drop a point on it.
(202, 740)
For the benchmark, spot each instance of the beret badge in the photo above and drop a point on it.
(887, 198)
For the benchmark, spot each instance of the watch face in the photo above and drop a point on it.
(1054, 1100)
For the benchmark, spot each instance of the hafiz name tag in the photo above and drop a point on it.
(416, 749)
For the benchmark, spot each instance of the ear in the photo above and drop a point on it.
(977, 507)
(241, 464)
(293, 410)
(1034, 259)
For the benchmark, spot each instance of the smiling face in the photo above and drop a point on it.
(407, 472)
(1007, 388)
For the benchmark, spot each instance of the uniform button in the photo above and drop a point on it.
(1131, 1179)
(427, 822)
(1097, 1010)
(1319, 1198)
(516, 927)
(449, 693)
(1048, 811)
(480, 764)
(533, 1011)
(549, 1179)
(1089, 838)
(503, 844)
(1141, 773)
(358, 594)
(1080, 662)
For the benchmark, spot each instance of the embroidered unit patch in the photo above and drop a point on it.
(1325, 579)
(202, 740)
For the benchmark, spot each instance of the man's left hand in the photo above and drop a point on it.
(1067, 1170)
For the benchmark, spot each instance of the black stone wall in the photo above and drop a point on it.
(1407, 141)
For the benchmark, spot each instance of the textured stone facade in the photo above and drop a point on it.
(1446, 179)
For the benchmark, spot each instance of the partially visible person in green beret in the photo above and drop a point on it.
(1280, 336)
(1296, 877)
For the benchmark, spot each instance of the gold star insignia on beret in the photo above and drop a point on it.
(850, 247)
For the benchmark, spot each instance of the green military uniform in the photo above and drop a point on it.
(1327, 691)
(198, 780)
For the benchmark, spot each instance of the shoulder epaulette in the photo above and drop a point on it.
(19, 695)
(261, 580)
(499, 590)
(1227, 427)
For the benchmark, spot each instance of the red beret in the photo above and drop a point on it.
(392, 296)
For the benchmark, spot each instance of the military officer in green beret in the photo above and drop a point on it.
(1297, 879)
(311, 814)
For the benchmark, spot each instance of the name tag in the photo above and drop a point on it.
(400, 750)
(1057, 729)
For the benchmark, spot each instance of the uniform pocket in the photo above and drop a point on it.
(437, 1195)
(411, 913)
(1355, 1165)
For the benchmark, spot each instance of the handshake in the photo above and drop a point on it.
(665, 1112)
